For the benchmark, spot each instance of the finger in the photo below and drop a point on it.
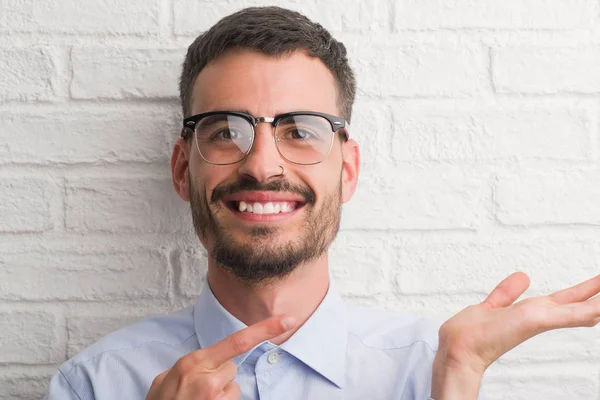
(206, 384)
(593, 311)
(246, 339)
(156, 384)
(161, 377)
(231, 392)
(508, 290)
(226, 373)
(579, 292)
(581, 314)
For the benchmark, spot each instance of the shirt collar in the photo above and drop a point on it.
(320, 343)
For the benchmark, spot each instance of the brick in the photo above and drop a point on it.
(550, 197)
(30, 337)
(416, 199)
(359, 264)
(98, 16)
(480, 266)
(19, 386)
(372, 128)
(60, 275)
(84, 331)
(191, 267)
(499, 133)
(358, 15)
(24, 205)
(142, 204)
(192, 17)
(27, 74)
(122, 73)
(76, 137)
(557, 385)
(546, 70)
(416, 71)
(435, 307)
(510, 14)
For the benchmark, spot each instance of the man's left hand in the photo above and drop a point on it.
(478, 335)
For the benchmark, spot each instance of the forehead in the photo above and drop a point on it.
(263, 85)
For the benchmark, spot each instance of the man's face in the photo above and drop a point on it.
(256, 247)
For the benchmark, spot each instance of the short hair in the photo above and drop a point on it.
(274, 31)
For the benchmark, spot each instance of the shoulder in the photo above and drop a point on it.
(163, 331)
(124, 363)
(389, 330)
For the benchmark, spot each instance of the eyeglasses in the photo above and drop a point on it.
(226, 137)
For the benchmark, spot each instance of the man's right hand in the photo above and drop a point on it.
(208, 374)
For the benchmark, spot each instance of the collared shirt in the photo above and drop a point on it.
(342, 351)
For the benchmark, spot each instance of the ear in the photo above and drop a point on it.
(180, 160)
(350, 169)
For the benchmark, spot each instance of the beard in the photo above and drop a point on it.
(265, 259)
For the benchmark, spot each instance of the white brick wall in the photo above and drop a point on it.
(480, 134)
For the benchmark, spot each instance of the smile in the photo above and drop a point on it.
(266, 208)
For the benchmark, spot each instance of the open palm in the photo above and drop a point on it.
(478, 335)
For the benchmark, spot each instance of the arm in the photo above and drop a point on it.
(61, 389)
(454, 383)
(450, 383)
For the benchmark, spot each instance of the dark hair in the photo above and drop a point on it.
(274, 31)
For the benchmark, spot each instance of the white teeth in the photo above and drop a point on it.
(266, 208)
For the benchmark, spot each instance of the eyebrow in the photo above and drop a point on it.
(246, 111)
(241, 110)
(214, 119)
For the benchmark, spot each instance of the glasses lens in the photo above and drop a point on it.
(223, 138)
(304, 139)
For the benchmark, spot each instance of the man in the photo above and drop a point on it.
(266, 161)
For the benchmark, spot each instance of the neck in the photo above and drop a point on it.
(298, 294)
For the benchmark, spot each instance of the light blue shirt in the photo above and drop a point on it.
(343, 351)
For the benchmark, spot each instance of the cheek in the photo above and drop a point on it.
(198, 180)
(326, 181)
(206, 179)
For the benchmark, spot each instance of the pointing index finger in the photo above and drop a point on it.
(244, 340)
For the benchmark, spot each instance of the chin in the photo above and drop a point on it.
(263, 233)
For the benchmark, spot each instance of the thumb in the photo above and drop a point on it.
(508, 290)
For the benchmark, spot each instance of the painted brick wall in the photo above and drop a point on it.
(479, 127)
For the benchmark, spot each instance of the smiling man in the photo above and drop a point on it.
(266, 165)
(266, 160)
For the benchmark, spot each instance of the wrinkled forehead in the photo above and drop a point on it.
(264, 85)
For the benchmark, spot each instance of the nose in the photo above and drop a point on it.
(263, 161)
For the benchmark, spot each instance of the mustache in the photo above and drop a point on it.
(247, 185)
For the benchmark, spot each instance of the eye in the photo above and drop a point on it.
(301, 129)
(225, 134)
(297, 133)
(300, 133)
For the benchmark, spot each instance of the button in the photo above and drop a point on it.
(273, 357)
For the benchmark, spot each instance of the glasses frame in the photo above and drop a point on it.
(336, 123)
